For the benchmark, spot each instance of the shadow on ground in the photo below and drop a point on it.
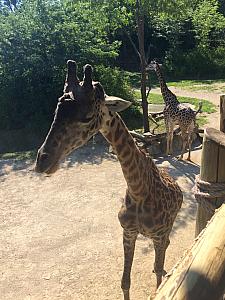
(97, 150)
(94, 152)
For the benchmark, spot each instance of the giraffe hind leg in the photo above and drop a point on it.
(169, 137)
(184, 135)
(190, 140)
(160, 252)
(169, 143)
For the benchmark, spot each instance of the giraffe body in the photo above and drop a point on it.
(152, 198)
(175, 113)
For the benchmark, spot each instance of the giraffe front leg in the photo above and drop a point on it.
(169, 146)
(160, 251)
(129, 240)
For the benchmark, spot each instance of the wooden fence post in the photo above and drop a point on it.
(200, 273)
(212, 171)
(222, 113)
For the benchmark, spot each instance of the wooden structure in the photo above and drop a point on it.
(213, 174)
(200, 274)
(222, 113)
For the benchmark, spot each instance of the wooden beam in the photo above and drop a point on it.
(200, 274)
(212, 171)
(222, 113)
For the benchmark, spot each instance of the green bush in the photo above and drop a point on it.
(115, 82)
(197, 64)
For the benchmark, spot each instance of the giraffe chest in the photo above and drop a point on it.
(147, 218)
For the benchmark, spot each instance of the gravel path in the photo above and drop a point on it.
(60, 237)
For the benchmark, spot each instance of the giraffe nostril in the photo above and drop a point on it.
(55, 144)
(44, 157)
(42, 162)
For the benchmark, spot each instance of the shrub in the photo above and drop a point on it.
(198, 63)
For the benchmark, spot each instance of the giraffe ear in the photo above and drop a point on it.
(116, 104)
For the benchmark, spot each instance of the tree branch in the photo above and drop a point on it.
(148, 52)
(149, 90)
(133, 44)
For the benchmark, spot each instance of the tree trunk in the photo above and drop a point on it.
(141, 38)
(222, 113)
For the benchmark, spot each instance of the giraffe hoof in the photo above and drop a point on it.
(126, 294)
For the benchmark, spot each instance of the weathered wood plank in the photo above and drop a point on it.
(200, 274)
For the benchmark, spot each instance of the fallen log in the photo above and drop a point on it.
(149, 137)
(200, 274)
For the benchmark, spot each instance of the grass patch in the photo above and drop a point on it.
(201, 120)
(207, 106)
(217, 85)
(24, 155)
(197, 85)
(190, 83)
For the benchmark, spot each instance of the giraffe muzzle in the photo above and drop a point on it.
(44, 164)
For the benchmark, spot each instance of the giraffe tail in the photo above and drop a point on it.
(199, 108)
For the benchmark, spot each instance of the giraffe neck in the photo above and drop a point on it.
(135, 165)
(166, 93)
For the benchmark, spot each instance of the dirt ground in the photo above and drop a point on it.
(60, 237)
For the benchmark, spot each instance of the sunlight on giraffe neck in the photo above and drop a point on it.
(135, 165)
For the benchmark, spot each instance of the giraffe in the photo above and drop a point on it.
(152, 198)
(175, 113)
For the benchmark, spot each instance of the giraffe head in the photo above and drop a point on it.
(153, 66)
(79, 115)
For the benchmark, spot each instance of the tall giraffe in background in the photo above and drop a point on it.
(152, 198)
(175, 113)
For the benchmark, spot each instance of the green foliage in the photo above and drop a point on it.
(36, 39)
(115, 82)
(38, 36)
(198, 63)
(209, 23)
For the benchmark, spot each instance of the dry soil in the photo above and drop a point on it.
(60, 237)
